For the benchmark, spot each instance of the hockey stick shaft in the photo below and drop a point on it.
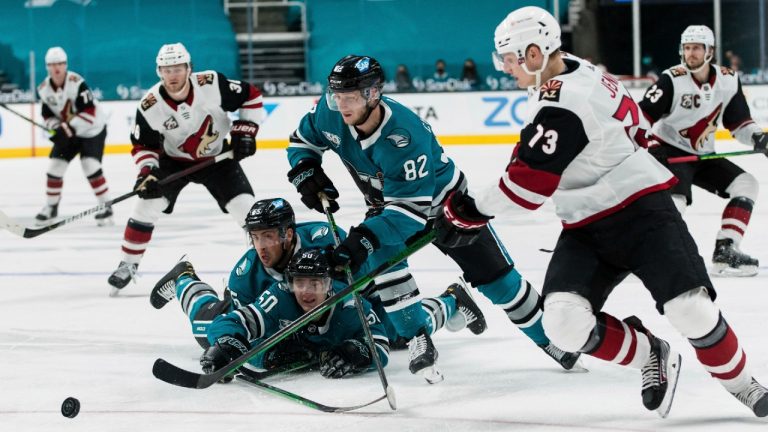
(293, 397)
(696, 158)
(172, 374)
(18, 114)
(389, 391)
(10, 225)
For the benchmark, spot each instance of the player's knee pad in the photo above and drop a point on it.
(397, 290)
(681, 202)
(57, 167)
(148, 211)
(692, 313)
(239, 206)
(744, 185)
(568, 320)
(90, 165)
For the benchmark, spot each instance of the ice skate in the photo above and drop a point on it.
(569, 361)
(469, 314)
(124, 273)
(104, 217)
(660, 375)
(423, 357)
(47, 215)
(728, 260)
(165, 289)
(755, 397)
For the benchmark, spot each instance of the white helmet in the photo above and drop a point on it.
(698, 34)
(55, 55)
(173, 54)
(526, 26)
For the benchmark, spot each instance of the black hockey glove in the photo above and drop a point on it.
(761, 141)
(243, 135)
(350, 357)
(147, 184)
(309, 179)
(289, 351)
(460, 221)
(226, 349)
(354, 250)
(62, 135)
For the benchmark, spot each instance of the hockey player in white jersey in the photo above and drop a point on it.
(580, 145)
(685, 107)
(181, 121)
(78, 126)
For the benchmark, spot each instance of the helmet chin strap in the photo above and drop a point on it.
(537, 73)
(707, 60)
(177, 95)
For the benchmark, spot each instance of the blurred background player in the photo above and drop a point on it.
(78, 126)
(398, 165)
(685, 106)
(182, 120)
(618, 219)
(275, 237)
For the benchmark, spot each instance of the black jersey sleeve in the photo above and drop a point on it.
(144, 136)
(84, 100)
(736, 113)
(657, 100)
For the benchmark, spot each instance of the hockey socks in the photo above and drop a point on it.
(520, 302)
(135, 240)
(200, 303)
(735, 219)
(614, 341)
(99, 186)
(721, 355)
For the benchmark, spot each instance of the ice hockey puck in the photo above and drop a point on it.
(70, 407)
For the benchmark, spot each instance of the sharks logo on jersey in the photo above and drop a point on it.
(243, 267)
(399, 138)
(319, 232)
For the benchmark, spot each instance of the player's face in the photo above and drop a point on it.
(174, 77)
(310, 291)
(57, 71)
(268, 245)
(694, 55)
(352, 106)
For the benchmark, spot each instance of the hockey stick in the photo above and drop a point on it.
(696, 158)
(388, 390)
(14, 227)
(293, 397)
(172, 374)
(7, 108)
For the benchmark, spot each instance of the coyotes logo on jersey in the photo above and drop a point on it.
(198, 144)
(699, 132)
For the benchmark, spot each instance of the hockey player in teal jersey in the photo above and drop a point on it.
(398, 165)
(275, 236)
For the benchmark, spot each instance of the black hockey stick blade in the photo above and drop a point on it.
(175, 375)
(14, 227)
(293, 397)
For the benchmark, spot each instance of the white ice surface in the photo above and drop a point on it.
(60, 335)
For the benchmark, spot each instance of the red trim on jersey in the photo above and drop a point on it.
(531, 179)
(90, 110)
(85, 119)
(172, 103)
(516, 198)
(632, 198)
(258, 105)
(254, 92)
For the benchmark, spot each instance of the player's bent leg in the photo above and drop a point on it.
(239, 206)
(697, 318)
(53, 186)
(520, 302)
(138, 232)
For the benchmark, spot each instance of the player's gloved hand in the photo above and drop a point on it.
(309, 179)
(62, 135)
(226, 349)
(354, 250)
(659, 152)
(288, 351)
(460, 221)
(350, 357)
(243, 136)
(147, 183)
(761, 141)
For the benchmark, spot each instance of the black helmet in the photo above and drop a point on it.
(270, 213)
(355, 72)
(308, 262)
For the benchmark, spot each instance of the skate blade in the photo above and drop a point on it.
(432, 374)
(105, 222)
(578, 367)
(114, 292)
(673, 372)
(724, 270)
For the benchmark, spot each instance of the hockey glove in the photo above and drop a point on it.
(309, 179)
(761, 141)
(147, 184)
(243, 141)
(350, 357)
(226, 349)
(354, 250)
(460, 222)
(288, 352)
(62, 135)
